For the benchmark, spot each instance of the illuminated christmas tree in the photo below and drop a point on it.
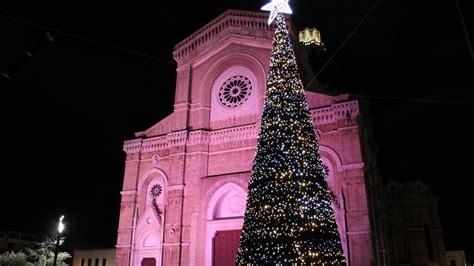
(289, 218)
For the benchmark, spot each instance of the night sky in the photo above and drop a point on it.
(66, 111)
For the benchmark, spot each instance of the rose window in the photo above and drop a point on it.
(235, 91)
(156, 190)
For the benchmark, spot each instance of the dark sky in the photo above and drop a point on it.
(65, 112)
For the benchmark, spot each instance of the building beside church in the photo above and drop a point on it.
(94, 257)
(14, 241)
(456, 258)
(185, 181)
(412, 225)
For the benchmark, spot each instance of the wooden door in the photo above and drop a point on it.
(148, 262)
(226, 244)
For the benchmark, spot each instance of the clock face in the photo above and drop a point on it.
(235, 91)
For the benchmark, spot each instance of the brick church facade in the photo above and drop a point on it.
(185, 180)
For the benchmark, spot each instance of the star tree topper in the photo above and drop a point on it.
(275, 7)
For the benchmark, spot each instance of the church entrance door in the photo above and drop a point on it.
(148, 262)
(226, 244)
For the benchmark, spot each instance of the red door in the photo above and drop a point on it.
(226, 244)
(148, 262)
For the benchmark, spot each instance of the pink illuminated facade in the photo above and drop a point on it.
(185, 181)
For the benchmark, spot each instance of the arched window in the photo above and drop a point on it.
(230, 205)
(149, 228)
(227, 202)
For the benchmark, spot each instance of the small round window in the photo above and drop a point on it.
(156, 190)
(235, 91)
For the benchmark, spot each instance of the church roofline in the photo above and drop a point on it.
(229, 19)
(333, 113)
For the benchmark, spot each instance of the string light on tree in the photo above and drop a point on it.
(288, 218)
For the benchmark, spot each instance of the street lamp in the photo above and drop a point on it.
(60, 230)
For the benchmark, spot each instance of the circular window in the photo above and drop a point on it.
(156, 190)
(235, 91)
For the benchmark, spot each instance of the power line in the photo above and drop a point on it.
(86, 39)
(411, 99)
(343, 43)
(466, 33)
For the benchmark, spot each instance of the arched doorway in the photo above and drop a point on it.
(339, 203)
(149, 229)
(224, 220)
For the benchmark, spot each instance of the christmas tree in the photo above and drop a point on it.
(288, 218)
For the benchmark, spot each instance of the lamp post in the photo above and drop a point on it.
(60, 230)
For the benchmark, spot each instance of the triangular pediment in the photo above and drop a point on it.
(149, 220)
(148, 231)
(161, 128)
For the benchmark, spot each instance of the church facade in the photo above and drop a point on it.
(185, 181)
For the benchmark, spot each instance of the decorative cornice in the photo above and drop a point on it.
(175, 243)
(337, 112)
(198, 137)
(128, 192)
(352, 166)
(233, 134)
(122, 246)
(236, 20)
(175, 187)
(153, 144)
(361, 232)
(176, 139)
(132, 146)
